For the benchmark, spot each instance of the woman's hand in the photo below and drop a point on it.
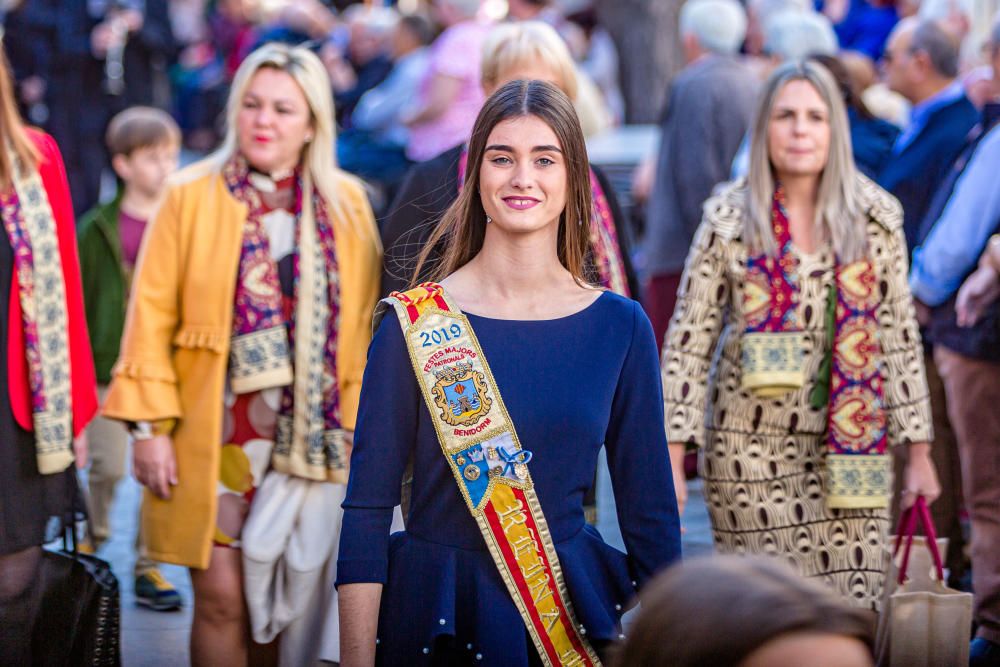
(677, 451)
(154, 465)
(81, 450)
(920, 477)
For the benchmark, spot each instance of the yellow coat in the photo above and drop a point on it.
(175, 349)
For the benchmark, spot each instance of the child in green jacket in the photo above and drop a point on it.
(144, 144)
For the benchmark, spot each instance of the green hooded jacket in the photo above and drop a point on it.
(105, 289)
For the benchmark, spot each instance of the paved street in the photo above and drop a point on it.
(155, 639)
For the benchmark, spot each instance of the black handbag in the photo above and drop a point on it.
(79, 616)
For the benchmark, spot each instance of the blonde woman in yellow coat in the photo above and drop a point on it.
(247, 331)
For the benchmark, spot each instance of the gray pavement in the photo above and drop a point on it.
(160, 639)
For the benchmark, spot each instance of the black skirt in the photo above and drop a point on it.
(29, 501)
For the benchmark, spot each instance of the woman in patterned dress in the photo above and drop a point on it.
(244, 351)
(793, 358)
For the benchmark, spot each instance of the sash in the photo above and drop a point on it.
(485, 455)
(34, 238)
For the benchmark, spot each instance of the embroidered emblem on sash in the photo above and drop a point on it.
(461, 394)
(491, 468)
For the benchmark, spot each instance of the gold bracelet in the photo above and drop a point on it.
(148, 430)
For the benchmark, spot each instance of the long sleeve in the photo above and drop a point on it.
(144, 386)
(378, 110)
(907, 399)
(952, 249)
(360, 262)
(693, 335)
(385, 437)
(638, 460)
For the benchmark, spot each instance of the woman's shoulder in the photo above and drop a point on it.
(50, 162)
(388, 345)
(620, 313)
(612, 304)
(43, 142)
(879, 205)
(349, 187)
(723, 211)
(194, 178)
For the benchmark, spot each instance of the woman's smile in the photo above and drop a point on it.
(521, 203)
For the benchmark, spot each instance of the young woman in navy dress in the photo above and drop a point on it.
(578, 370)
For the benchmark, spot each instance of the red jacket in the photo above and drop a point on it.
(82, 379)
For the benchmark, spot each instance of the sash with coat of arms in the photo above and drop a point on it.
(484, 453)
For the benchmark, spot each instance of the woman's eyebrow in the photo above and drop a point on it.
(537, 149)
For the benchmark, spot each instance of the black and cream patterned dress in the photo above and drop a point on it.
(763, 459)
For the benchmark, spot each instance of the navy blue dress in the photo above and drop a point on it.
(570, 385)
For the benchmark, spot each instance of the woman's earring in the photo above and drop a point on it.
(488, 220)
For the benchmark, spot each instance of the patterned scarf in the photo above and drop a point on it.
(849, 383)
(267, 345)
(603, 235)
(31, 229)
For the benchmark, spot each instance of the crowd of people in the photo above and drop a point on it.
(291, 333)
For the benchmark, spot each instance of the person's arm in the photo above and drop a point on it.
(144, 384)
(638, 459)
(358, 606)
(379, 109)
(693, 336)
(451, 64)
(957, 239)
(441, 93)
(385, 437)
(982, 288)
(360, 268)
(690, 345)
(907, 399)
(991, 256)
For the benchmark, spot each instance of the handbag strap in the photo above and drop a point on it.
(69, 513)
(908, 524)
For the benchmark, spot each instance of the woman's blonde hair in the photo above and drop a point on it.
(527, 42)
(12, 131)
(308, 72)
(839, 211)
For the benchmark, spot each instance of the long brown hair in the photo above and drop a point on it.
(463, 226)
(12, 127)
(717, 610)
